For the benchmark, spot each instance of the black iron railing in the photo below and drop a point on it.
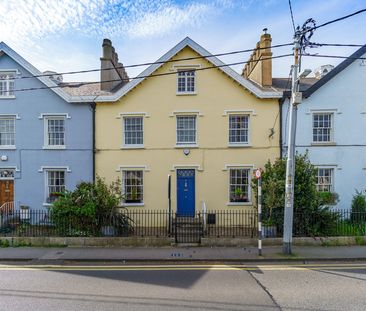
(190, 228)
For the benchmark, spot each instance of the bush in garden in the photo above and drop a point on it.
(312, 216)
(358, 208)
(88, 208)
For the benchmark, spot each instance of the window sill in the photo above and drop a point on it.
(186, 93)
(132, 204)
(323, 143)
(239, 145)
(239, 203)
(186, 146)
(8, 97)
(47, 204)
(133, 147)
(8, 147)
(54, 147)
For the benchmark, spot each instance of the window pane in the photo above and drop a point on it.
(7, 84)
(132, 186)
(56, 132)
(55, 184)
(133, 131)
(186, 129)
(7, 132)
(322, 127)
(239, 185)
(238, 129)
(186, 81)
(325, 179)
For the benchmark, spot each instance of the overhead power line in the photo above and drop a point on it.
(148, 76)
(292, 15)
(336, 44)
(335, 56)
(336, 20)
(153, 63)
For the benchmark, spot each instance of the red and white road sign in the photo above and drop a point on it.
(258, 173)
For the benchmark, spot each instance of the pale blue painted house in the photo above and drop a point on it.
(332, 126)
(46, 135)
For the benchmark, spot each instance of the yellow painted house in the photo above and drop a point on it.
(193, 118)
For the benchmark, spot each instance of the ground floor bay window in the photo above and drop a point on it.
(132, 187)
(239, 187)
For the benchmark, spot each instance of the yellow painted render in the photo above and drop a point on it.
(157, 97)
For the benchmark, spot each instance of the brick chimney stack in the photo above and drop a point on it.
(115, 70)
(259, 70)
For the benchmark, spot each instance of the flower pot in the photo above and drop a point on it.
(269, 231)
(108, 231)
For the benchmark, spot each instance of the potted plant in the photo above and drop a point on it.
(269, 229)
(53, 197)
(239, 196)
(133, 197)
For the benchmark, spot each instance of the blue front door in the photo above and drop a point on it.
(185, 192)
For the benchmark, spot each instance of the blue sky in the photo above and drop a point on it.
(65, 35)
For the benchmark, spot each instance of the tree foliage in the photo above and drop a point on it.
(88, 208)
(358, 209)
(311, 214)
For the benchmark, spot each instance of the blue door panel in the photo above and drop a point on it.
(186, 192)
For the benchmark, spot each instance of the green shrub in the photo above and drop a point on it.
(84, 211)
(312, 215)
(358, 209)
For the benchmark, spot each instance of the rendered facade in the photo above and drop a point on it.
(331, 126)
(208, 129)
(45, 135)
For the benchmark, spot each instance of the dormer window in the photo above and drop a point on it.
(186, 82)
(7, 84)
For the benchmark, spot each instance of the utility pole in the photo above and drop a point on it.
(290, 165)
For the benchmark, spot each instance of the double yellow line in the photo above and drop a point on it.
(287, 267)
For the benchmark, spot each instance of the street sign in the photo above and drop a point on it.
(258, 173)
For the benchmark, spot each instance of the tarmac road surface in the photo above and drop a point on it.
(320, 286)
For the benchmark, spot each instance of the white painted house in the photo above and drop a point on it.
(331, 126)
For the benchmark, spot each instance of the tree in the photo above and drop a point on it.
(311, 215)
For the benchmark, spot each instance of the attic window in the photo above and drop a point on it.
(7, 84)
(186, 81)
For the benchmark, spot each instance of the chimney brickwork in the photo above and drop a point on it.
(112, 72)
(259, 67)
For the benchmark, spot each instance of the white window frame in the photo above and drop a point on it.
(186, 144)
(132, 146)
(9, 93)
(332, 170)
(46, 185)
(134, 169)
(14, 118)
(331, 134)
(229, 168)
(46, 118)
(239, 144)
(186, 71)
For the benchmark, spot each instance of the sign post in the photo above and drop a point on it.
(258, 175)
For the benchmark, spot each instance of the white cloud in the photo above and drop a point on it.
(28, 19)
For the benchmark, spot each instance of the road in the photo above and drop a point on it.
(334, 286)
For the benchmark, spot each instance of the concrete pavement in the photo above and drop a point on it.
(173, 254)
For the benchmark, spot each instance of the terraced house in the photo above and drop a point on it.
(331, 126)
(192, 117)
(46, 142)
